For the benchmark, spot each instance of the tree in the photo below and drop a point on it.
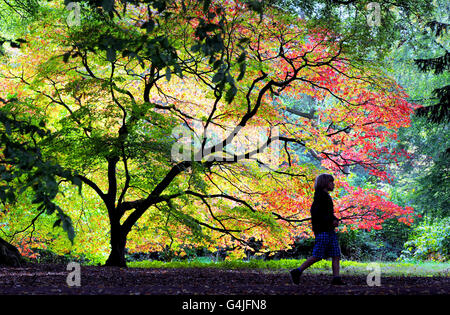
(108, 93)
(438, 112)
(369, 29)
(420, 65)
(9, 255)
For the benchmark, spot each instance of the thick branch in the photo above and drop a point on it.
(142, 205)
(112, 182)
(93, 185)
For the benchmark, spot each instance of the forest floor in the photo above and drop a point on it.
(48, 279)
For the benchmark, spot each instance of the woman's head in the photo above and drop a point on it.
(324, 182)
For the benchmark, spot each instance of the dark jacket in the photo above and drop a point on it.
(322, 215)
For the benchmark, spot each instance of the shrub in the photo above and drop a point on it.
(429, 241)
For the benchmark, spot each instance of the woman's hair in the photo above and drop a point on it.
(322, 181)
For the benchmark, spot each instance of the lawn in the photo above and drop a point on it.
(418, 269)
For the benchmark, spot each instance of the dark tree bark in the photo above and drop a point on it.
(9, 254)
(118, 241)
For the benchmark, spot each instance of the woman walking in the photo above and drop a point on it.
(323, 224)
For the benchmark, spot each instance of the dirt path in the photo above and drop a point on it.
(51, 280)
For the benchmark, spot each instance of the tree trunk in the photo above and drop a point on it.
(118, 242)
(9, 254)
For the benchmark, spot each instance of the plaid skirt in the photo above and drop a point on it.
(327, 245)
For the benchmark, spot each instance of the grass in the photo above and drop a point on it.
(420, 269)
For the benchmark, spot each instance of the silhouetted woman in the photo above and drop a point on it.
(323, 224)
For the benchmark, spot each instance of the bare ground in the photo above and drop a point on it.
(95, 280)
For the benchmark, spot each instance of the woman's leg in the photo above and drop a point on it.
(318, 251)
(335, 265)
(296, 273)
(308, 262)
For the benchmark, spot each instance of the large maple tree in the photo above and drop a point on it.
(192, 118)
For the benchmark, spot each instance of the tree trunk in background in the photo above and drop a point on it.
(9, 254)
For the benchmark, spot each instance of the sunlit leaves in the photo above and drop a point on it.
(23, 167)
(114, 88)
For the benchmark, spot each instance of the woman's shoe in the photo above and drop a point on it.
(295, 275)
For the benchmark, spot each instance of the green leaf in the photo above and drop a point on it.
(231, 93)
(67, 225)
(242, 69)
(108, 5)
(66, 57)
(168, 74)
(217, 64)
(218, 77)
(57, 223)
(111, 54)
(50, 208)
(242, 57)
(77, 181)
(196, 47)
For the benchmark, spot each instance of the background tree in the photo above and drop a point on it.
(425, 175)
(369, 29)
(421, 181)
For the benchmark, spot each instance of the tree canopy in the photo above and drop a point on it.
(205, 121)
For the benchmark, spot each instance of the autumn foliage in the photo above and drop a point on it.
(230, 76)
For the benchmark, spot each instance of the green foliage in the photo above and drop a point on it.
(385, 244)
(429, 241)
(24, 168)
(438, 112)
(14, 16)
(83, 141)
(434, 187)
(365, 40)
(45, 242)
(423, 181)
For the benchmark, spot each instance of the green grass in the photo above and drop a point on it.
(422, 269)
